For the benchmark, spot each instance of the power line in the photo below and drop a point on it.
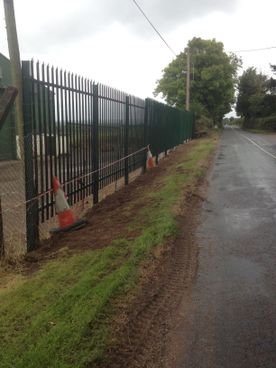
(252, 50)
(155, 29)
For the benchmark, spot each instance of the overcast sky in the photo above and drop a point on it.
(109, 41)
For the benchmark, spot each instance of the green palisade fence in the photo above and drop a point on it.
(75, 126)
(167, 126)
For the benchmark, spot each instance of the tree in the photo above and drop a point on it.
(213, 78)
(256, 101)
(252, 88)
(272, 81)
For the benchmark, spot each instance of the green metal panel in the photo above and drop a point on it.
(8, 139)
(8, 132)
(168, 126)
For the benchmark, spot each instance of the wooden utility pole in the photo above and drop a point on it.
(188, 81)
(15, 70)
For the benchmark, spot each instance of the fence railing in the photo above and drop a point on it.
(88, 135)
(167, 126)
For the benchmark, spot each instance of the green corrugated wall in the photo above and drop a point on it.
(7, 133)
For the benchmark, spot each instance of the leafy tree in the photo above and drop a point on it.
(272, 81)
(268, 105)
(252, 89)
(213, 78)
(256, 101)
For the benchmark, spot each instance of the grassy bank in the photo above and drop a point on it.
(260, 125)
(61, 315)
(259, 131)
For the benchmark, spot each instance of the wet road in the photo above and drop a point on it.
(232, 322)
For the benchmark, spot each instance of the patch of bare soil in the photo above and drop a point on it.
(109, 219)
(142, 328)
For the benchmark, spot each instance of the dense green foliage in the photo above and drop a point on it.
(256, 101)
(272, 81)
(213, 78)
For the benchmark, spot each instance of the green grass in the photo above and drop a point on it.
(60, 317)
(260, 131)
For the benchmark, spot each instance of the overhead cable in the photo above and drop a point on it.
(155, 29)
(252, 50)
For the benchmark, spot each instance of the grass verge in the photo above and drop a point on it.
(260, 131)
(61, 315)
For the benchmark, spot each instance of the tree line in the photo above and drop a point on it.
(213, 77)
(215, 86)
(256, 100)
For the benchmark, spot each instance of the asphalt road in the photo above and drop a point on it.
(232, 320)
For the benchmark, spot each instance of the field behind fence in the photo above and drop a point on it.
(88, 135)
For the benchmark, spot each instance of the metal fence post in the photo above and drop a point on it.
(157, 159)
(146, 133)
(30, 188)
(126, 137)
(2, 249)
(95, 143)
(192, 128)
(157, 119)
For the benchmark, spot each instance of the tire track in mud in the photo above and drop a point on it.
(143, 339)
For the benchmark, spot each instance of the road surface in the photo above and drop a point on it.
(232, 319)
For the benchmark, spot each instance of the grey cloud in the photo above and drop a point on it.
(170, 14)
(92, 17)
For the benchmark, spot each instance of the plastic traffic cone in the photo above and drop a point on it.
(66, 218)
(150, 162)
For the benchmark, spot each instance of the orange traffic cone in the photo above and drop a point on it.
(150, 162)
(66, 218)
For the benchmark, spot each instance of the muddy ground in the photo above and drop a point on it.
(142, 324)
(109, 219)
(142, 328)
(152, 314)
